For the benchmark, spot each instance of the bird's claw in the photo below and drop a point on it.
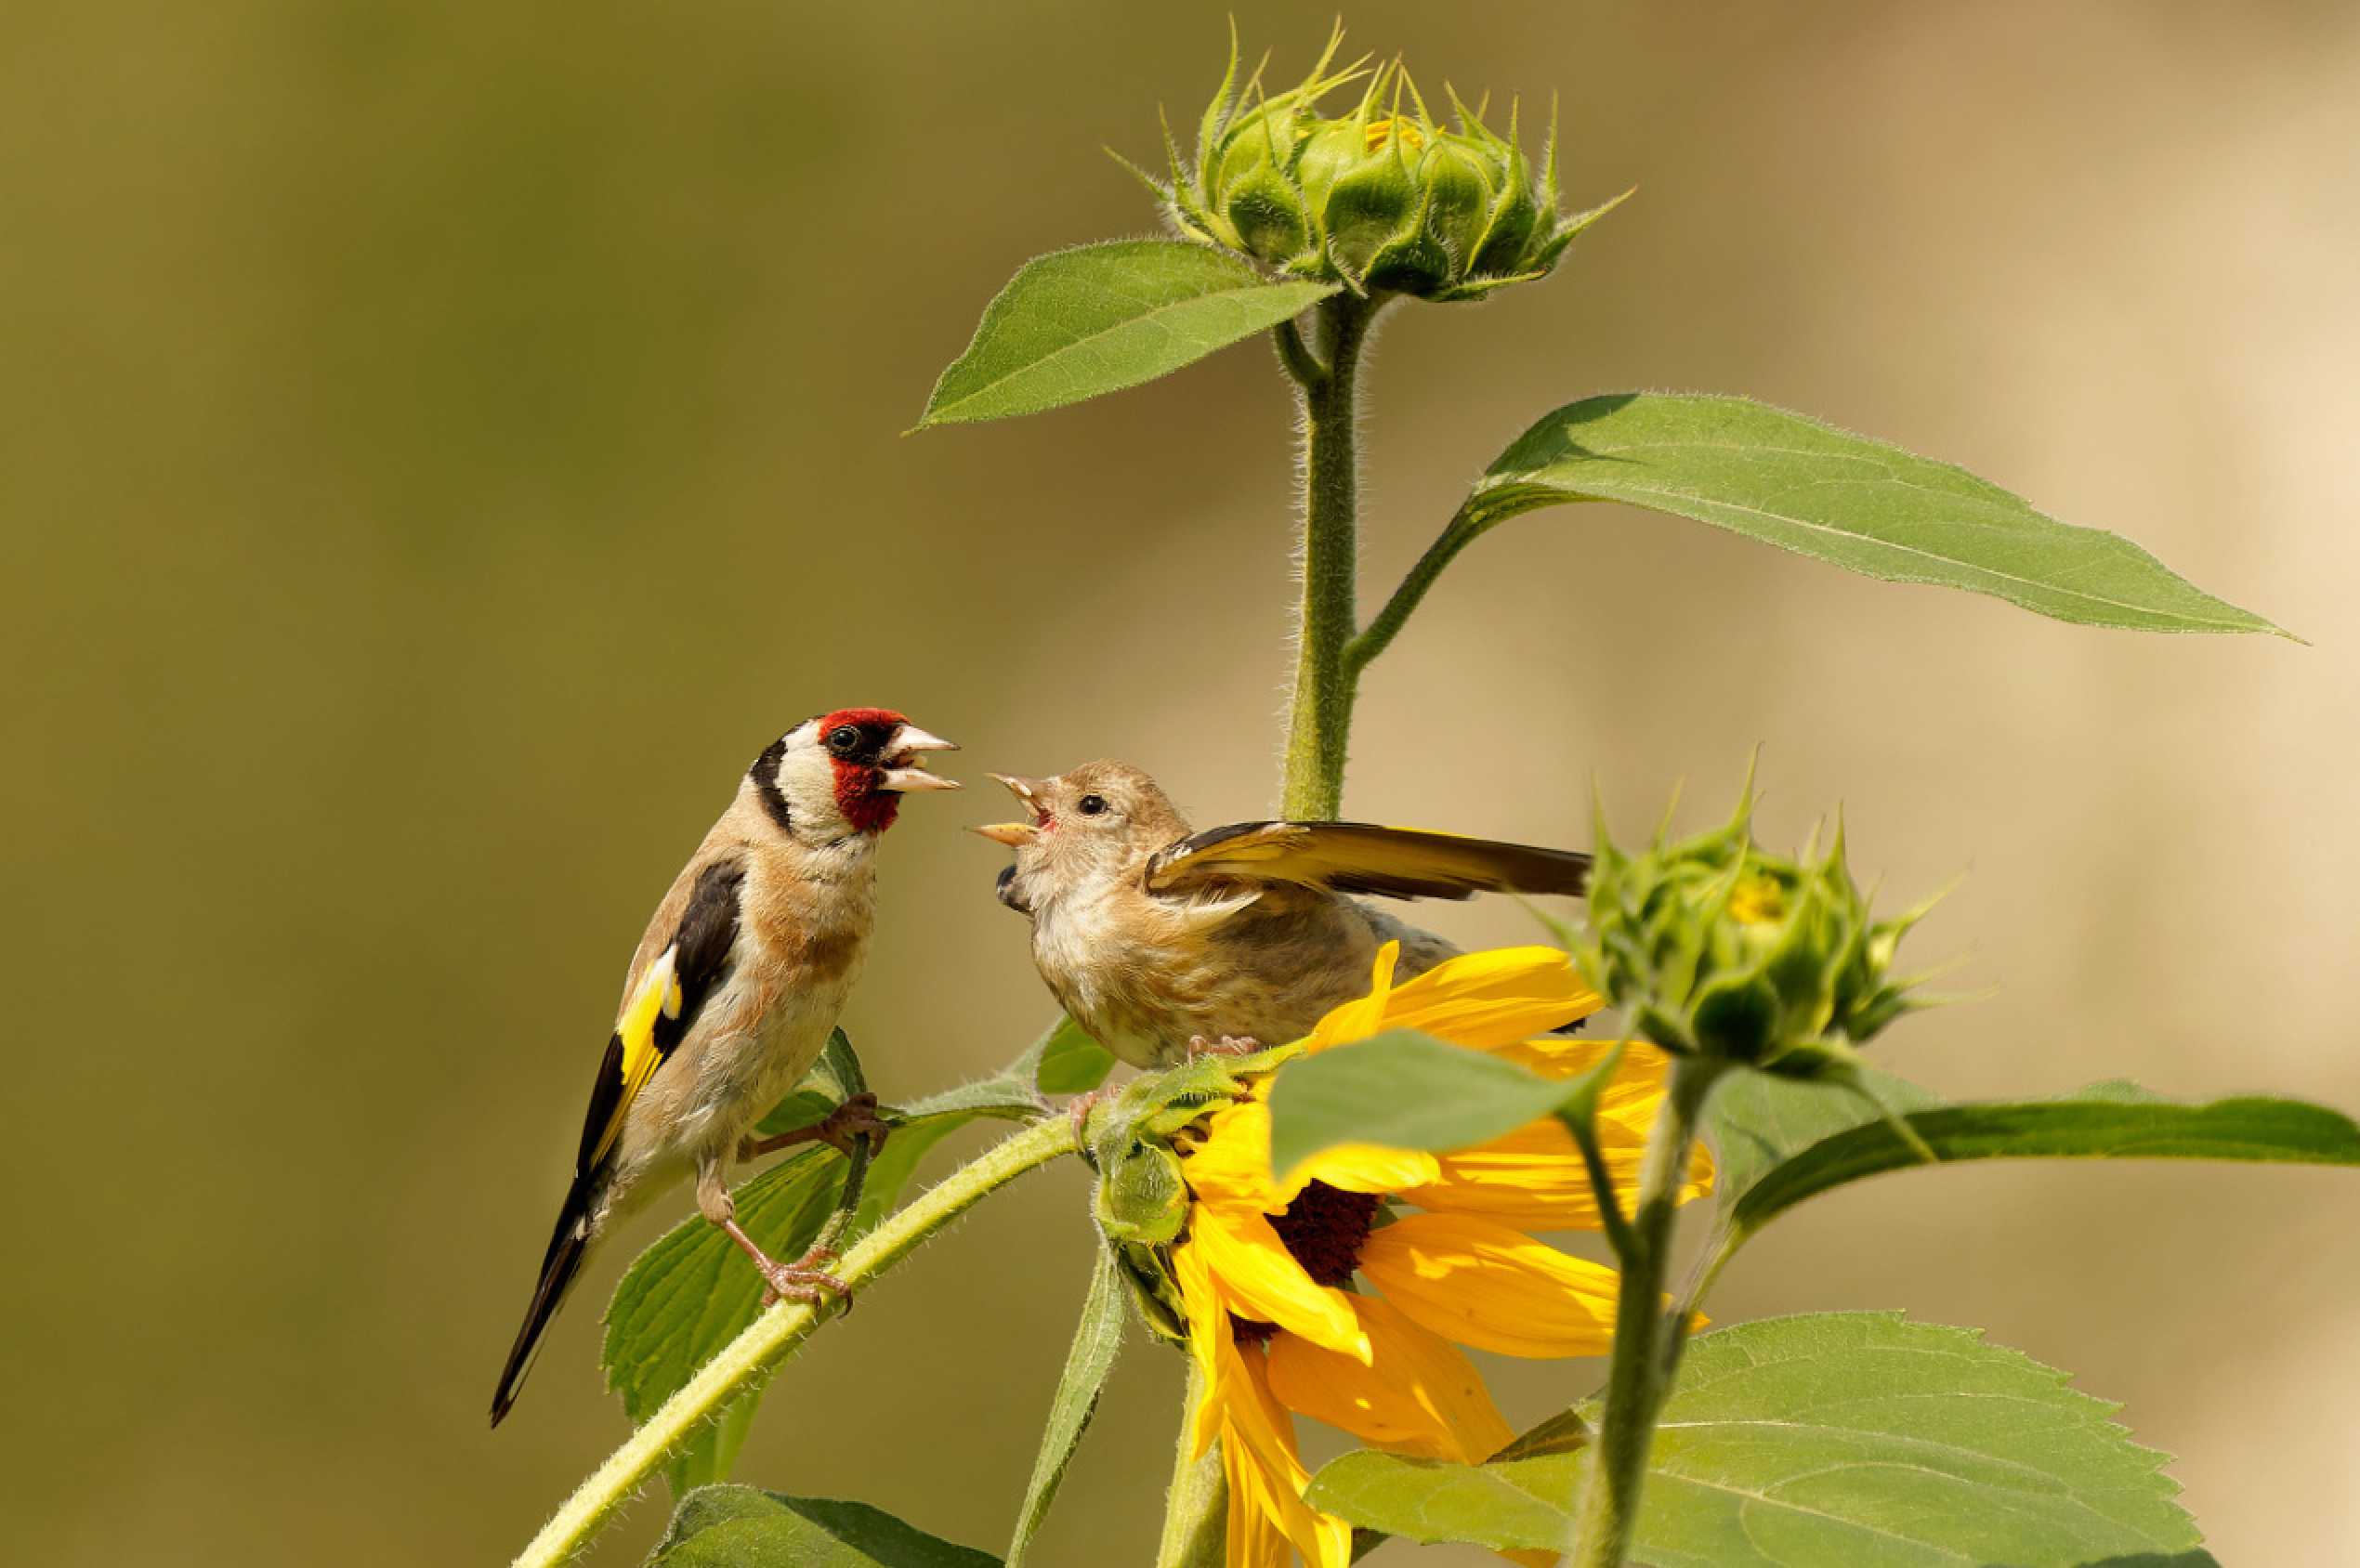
(804, 1280)
(840, 1130)
(1078, 1109)
(1227, 1045)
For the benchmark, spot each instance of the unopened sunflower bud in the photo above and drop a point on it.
(1383, 199)
(1716, 948)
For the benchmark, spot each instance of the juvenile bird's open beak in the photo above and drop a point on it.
(902, 774)
(1016, 835)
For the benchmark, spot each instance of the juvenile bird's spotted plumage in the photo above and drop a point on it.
(733, 991)
(1153, 938)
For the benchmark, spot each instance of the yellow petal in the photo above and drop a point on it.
(1208, 1335)
(1494, 999)
(1482, 1284)
(1419, 1396)
(1253, 1537)
(1564, 1056)
(1532, 1179)
(1231, 1160)
(1363, 1017)
(1268, 1433)
(1363, 1167)
(1261, 1277)
(1232, 1163)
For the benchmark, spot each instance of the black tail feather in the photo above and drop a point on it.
(568, 1246)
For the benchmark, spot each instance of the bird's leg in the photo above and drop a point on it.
(856, 1118)
(803, 1280)
(1078, 1109)
(1227, 1045)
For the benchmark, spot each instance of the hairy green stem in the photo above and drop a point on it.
(1319, 726)
(1196, 1509)
(777, 1334)
(1647, 1338)
(1456, 535)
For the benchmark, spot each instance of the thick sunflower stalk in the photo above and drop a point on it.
(1390, 203)
(1728, 958)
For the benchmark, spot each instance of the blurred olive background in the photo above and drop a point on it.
(440, 443)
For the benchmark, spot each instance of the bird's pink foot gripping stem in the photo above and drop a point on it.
(803, 1280)
(855, 1119)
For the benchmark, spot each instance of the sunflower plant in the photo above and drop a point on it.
(1469, 1160)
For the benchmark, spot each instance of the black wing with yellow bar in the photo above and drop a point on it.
(655, 1020)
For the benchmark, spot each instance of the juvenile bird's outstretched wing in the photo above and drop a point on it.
(656, 1017)
(1363, 857)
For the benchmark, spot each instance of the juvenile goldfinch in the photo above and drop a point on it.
(732, 994)
(1158, 942)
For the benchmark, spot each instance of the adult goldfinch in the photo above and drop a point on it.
(733, 993)
(1157, 941)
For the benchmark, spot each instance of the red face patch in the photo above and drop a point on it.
(866, 807)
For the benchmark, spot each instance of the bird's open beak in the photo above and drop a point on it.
(1016, 835)
(901, 772)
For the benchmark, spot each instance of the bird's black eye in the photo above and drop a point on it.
(843, 739)
(1092, 806)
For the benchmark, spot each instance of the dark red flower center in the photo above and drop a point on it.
(1323, 1229)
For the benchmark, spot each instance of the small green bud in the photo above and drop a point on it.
(1370, 204)
(1141, 1196)
(1717, 948)
(1154, 1294)
(1380, 200)
(1267, 215)
(1459, 182)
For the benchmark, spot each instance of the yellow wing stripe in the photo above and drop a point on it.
(659, 992)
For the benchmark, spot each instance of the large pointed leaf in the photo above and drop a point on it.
(1406, 1091)
(1096, 1342)
(2111, 1121)
(1756, 1119)
(739, 1527)
(693, 1292)
(1853, 502)
(1095, 318)
(1844, 1440)
(1071, 1062)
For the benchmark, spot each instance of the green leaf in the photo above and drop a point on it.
(693, 1292)
(1071, 1062)
(1076, 323)
(1404, 1090)
(2113, 1121)
(1756, 1119)
(1853, 502)
(741, 1527)
(1511, 1504)
(835, 1079)
(1096, 1342)
(1850, 1439)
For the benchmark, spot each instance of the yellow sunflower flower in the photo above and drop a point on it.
(1263, 1270)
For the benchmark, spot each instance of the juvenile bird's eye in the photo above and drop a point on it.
(843, 738)
(1091, 805)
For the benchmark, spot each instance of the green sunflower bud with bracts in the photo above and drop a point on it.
(1716, 948)
(1383, 200)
